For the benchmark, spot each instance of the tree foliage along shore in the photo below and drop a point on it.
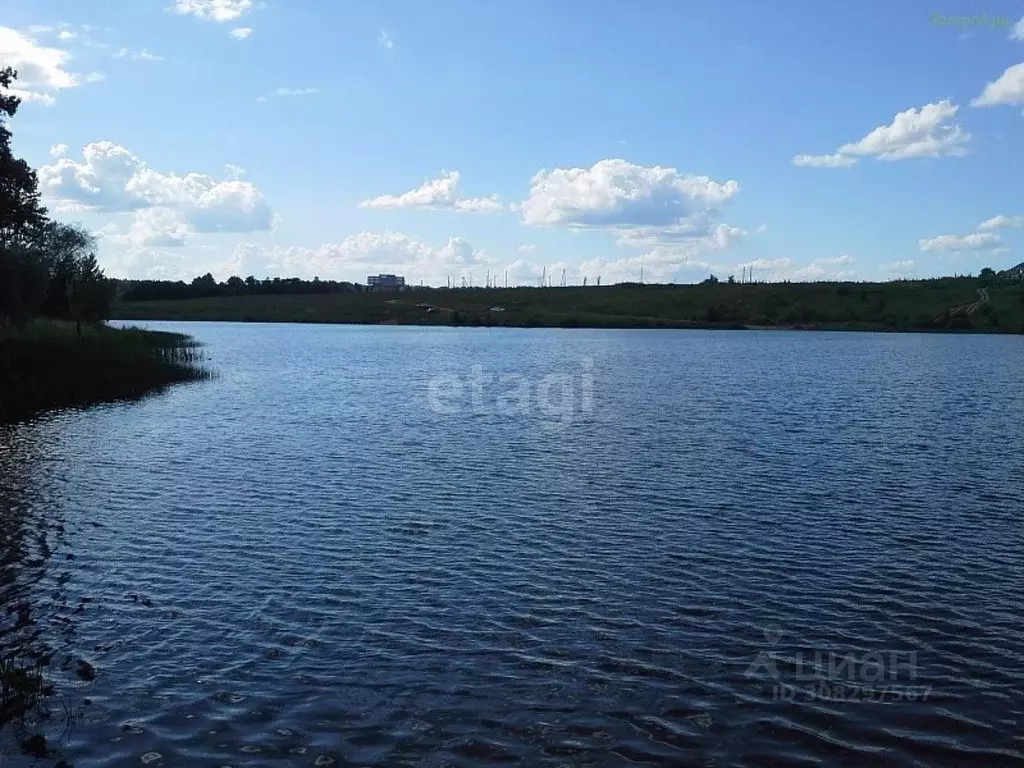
(55, 351)
(47, 269)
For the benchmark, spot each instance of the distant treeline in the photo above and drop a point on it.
(206, 287)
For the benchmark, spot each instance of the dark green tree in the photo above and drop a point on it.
(64, 248)
(20, 211)
(89, 293)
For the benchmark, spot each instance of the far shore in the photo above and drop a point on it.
(964, 304)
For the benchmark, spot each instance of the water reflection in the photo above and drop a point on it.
(37, 614)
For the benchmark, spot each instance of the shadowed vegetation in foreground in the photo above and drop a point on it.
(47, 365)
(987, 303)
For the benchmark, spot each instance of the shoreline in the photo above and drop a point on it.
(944, 305)
(610, 326)
(47, 367)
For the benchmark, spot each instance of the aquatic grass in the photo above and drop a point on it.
(46, 365)
(23, 690)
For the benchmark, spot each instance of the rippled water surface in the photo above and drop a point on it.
(724, 548)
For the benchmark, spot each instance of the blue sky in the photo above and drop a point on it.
(452, 139)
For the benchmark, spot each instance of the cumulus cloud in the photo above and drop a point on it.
(835, 268)
(1017, 33)
(645, 206)
(439, 194)
(904, 267)
(160, 227)
(42, 71)
(241, 33)
(618, 194)
(695, 235)
(527, 248)
(361, 254)
(916, 132)
(976, 241)
(146, 264)
(1001, 222)
(785, 268)
(1007, 89)
(213, 10)
(58, 150)
(111, 179)
(657, 265)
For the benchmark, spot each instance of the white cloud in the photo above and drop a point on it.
(146, 263)
(160, 227)
(364, 253)
(440, 194)
(290, 92)
(768, 264)
(41, 70)
(618, 194)
(976, 241)
(527, 248)
(112, 179)
(1017, 33)
(58, 150)
(143, 55)
(824, 161)
(645, 206)
(658, 265)
(694, 235)
(1008, 89)
(385, 40)
(915, 132)
(213, 10)
(837, 268)
(65, 34)
(905, 267)
(784, 268)
(241, 33)
(1000, 221)
(479, 204)
(95, 77)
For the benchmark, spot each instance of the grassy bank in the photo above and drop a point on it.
(45, 366)
(941, 304)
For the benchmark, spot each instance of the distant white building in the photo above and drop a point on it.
(386, 282)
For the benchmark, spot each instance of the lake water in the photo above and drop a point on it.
(453, 547)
